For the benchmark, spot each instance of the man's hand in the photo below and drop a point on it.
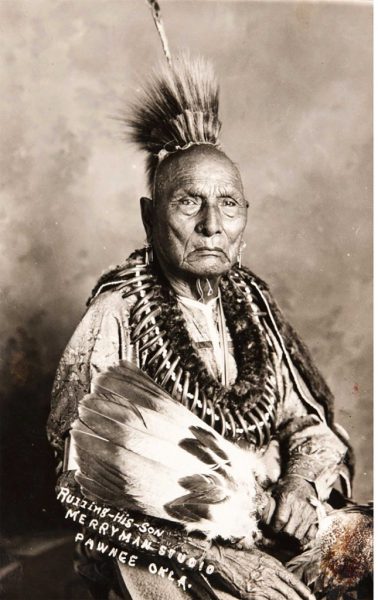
(294, 514)
(254, 575)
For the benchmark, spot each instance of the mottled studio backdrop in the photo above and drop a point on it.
(296, 110)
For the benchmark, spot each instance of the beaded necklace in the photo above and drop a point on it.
(163, 349)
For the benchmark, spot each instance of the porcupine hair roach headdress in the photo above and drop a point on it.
(178, 108)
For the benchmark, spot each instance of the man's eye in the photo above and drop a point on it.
(229, 202)
(188, 202)
(188, 205)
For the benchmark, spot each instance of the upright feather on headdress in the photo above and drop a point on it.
(156, 14)
(178, 107)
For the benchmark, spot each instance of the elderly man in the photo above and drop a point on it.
(185, 311)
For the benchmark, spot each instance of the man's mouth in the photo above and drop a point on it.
(204, 251)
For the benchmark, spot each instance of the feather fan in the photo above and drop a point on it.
(137, 448)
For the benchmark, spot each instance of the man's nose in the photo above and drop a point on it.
(210, 221)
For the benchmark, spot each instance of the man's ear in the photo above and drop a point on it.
(146, 209)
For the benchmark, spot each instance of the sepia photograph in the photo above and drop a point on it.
(186, 303)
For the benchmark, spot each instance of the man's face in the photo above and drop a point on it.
(199, 213)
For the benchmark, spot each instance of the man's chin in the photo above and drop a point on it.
(209, 266)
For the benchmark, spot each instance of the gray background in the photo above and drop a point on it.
(296, 110)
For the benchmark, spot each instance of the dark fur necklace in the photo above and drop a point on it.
(164, 350)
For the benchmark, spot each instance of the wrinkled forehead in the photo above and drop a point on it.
(201, 165)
